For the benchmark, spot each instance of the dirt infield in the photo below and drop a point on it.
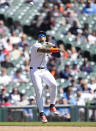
(53, 128)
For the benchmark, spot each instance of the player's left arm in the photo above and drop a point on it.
(49, 50)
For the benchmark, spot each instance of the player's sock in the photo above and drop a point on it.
(41, 113)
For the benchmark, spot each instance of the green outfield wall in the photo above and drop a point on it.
(18, 114)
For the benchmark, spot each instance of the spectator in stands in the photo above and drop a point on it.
(23, 101)
(68, 9)
(92, 37)
(51, 39)
(92, 84)
(5, 51)
(9, 46)
(75, 87)
(86, 67)
(23, 40)
(15, 96)
(73, 29)
(73, 53)
(54, 72)
(6, 102)
(55, 11)
(86, 94)
(65, 54)
(79, 82)
(4, 78)
(3, 28)
(75, 70)
(25, 52)
(64, 112)
(80, 38)
(79, 100)
(89, 9)
(51, 23)
(3, 40)
(28, 113)
(69, 96)
(46, 7)
(50, 64)
(52, 68)
(66, 73)
(14, 39)
(60, 8)
(85, 30)
(6, 64)
(85, 87)
(16, 27)
(4, 3)
(48, 23)
(70, 19)
(3, 95)
(60, 92)
(2, 55)
(32, 100)
(18, 77)
(16, 53)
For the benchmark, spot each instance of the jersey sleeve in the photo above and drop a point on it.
(35, 47)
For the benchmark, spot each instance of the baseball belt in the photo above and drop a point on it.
(37, 67)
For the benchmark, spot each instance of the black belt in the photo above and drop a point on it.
(37, 67)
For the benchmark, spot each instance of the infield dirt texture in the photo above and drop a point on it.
(50, 126)
(45, 128)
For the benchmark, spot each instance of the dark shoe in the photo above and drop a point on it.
(43, 119)
(53, 109)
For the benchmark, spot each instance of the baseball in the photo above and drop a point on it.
(31, 3)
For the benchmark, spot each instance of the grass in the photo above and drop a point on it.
(76, 124)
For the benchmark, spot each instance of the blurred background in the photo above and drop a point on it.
(69, 25)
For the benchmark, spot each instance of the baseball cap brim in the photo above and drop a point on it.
(41, 32)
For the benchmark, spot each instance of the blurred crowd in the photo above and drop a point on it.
(56, 9)
(15, 45)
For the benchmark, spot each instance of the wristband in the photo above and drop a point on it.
(54, 50)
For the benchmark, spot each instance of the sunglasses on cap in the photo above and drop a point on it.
(43, 35)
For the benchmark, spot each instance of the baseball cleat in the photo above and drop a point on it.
(53, 109)
(43, 119)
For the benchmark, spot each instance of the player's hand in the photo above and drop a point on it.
(61, 50)
(50, 44)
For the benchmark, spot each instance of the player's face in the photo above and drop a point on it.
(42, 38)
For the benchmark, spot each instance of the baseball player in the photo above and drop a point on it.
(39, 73)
